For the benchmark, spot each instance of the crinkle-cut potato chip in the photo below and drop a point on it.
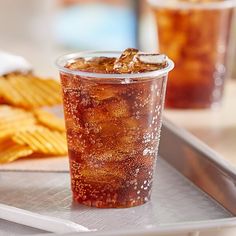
(11, 151)
(14, 119)
(29, 91)
(49, 120)
(25, 130)
(42, 140)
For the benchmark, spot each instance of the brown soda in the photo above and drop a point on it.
(113, 132)
(197, 41)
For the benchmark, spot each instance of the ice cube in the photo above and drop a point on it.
(157, 59)
(78, 64)
(133, 61)
(103, 92)
(118, 108)
(124, 64)
(108, 174)
(95, 115)
(111, 128)
(130, 123)
(95, 64)
(148, 62)
(101, 64)
(111, 150)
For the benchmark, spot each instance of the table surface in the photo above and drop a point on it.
(217, 127)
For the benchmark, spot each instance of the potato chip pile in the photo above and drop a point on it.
(29, 91)
(26, 130)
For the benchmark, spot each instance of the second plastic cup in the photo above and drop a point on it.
(195, 34)
(113, 126)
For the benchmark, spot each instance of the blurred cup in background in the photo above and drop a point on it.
(195, 34)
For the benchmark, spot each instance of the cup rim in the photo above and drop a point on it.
(62, 60)
(193, 5)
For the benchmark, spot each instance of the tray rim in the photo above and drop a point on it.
(214, 156)
(177, 228)
(220, 171)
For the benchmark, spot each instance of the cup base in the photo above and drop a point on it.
(106, 204)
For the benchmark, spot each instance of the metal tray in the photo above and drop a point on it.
(194, 190)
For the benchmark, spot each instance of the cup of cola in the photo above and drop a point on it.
(195, 34)
(113, 106)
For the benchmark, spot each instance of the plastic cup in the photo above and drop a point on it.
(196, 36)
(113, 126)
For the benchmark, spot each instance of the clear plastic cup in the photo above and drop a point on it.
(113, 126)
(195, 34)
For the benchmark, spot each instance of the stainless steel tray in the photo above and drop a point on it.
(177, 204)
